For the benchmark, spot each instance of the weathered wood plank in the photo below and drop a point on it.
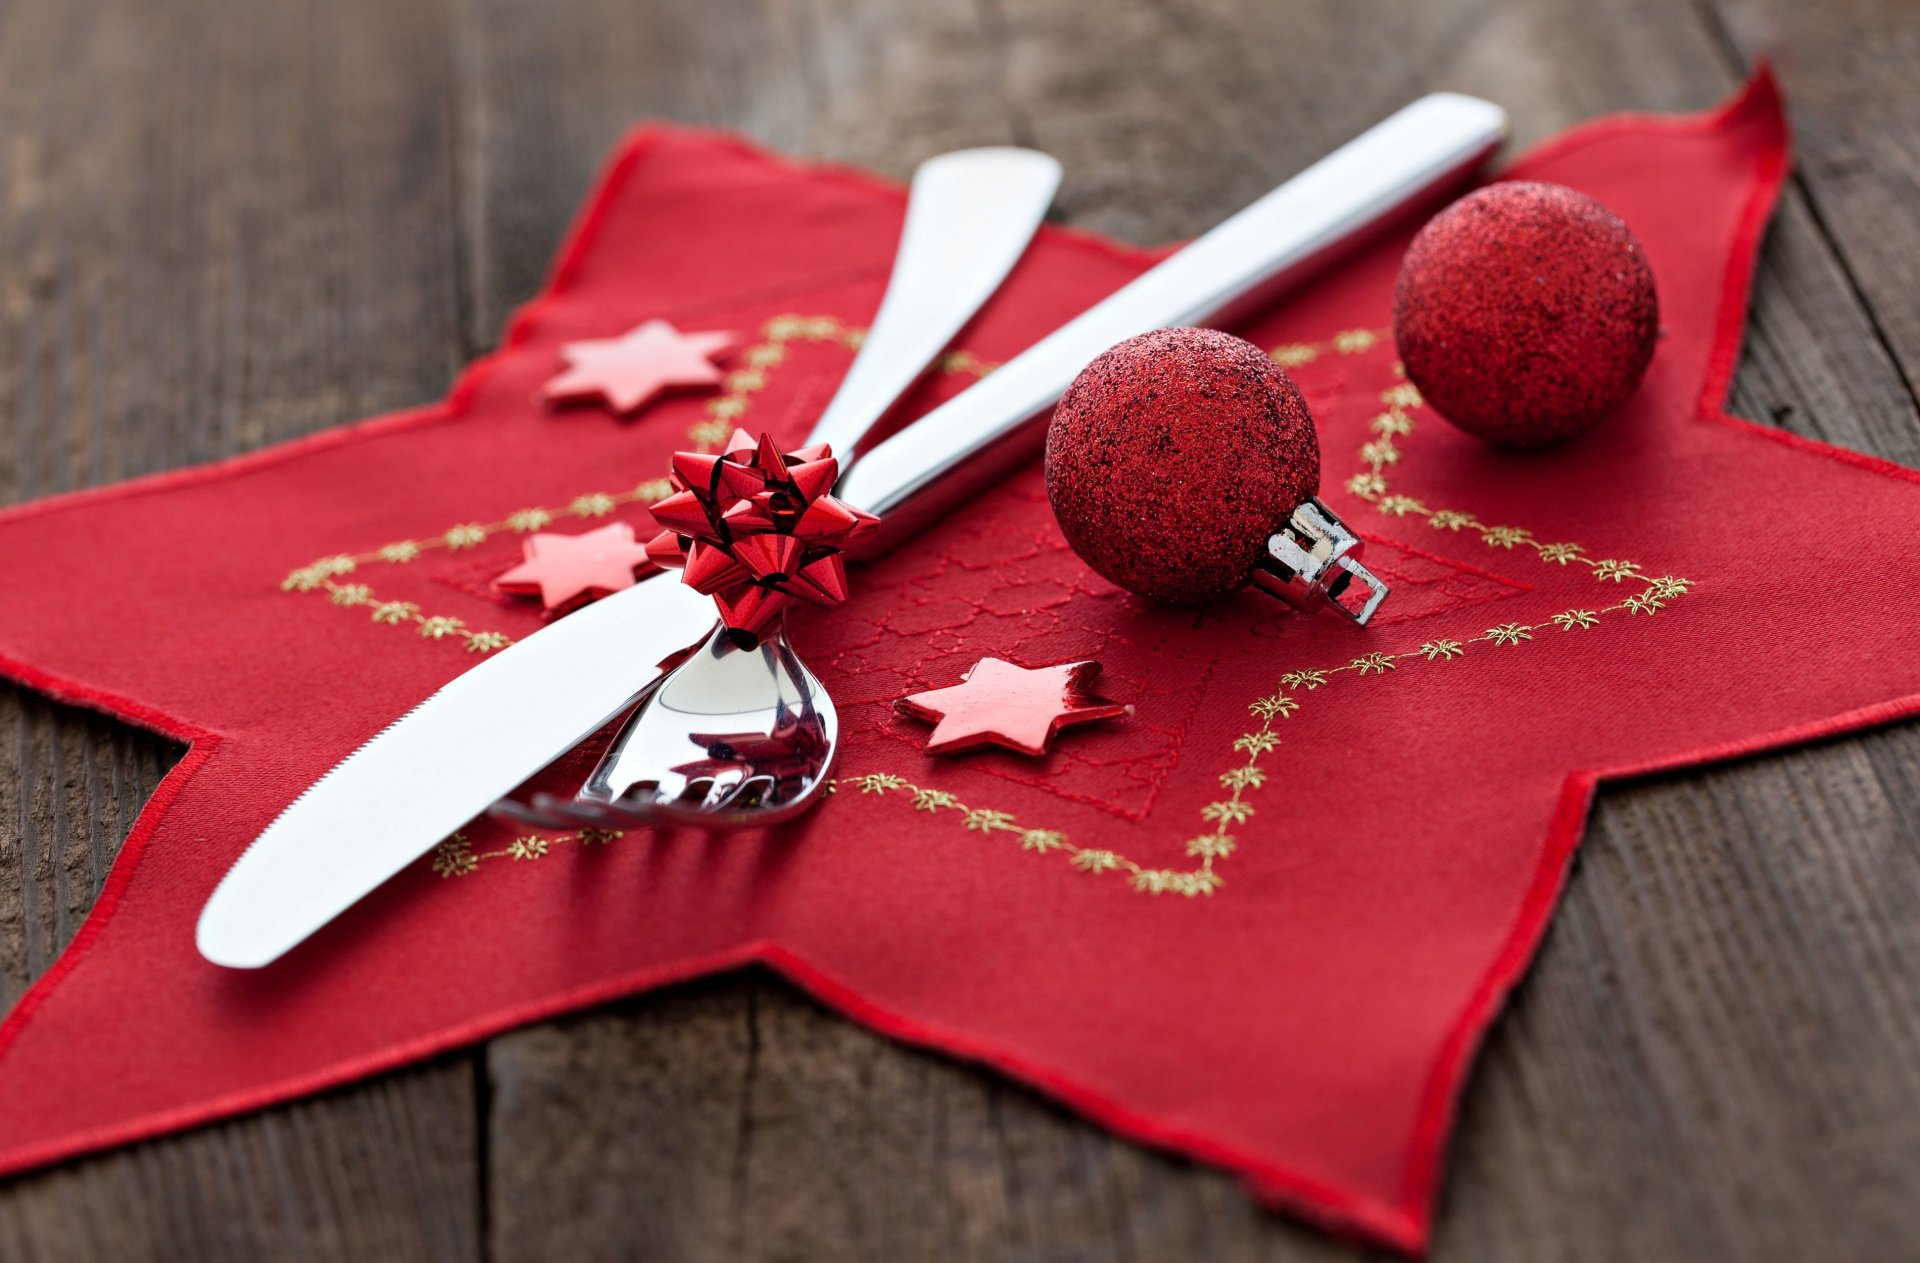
(220, 226)
(382, 1170)
(82, 779)
(753, 1124)
(1852, 67)
(627, 1138)
(1727, 1000)
(550, 89)
(1711, 1059)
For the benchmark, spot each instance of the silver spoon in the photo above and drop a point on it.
(736, 736)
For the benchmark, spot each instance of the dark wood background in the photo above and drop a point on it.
(223, 224)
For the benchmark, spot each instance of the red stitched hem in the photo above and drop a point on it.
(1327, 1205)
(201, 745)
(1426, 1161)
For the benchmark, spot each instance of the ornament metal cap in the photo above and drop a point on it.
(1314, 561)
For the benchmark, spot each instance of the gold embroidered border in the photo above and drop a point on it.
(1216, 843)
(1401, 402)
(723, 413)
(1380, 454)
(453, 858)
(456, 857)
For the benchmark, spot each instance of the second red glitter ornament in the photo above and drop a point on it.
(1525, 313)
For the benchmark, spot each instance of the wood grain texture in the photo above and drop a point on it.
(221, 225)
(1852, 64)
(318, 211)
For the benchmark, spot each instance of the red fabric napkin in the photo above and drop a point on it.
(1264, 922)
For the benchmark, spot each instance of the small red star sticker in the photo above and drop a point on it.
(1004, 705)
(630, 371)
(565, 569)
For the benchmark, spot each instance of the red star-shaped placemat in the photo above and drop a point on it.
(1145, 924)
(630, 371)
(565, 570)
(1016, 708)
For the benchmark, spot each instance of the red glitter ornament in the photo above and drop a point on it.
(1525, 313)
(1174, 457)
(755, 528)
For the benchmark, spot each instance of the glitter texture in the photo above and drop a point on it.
(1525, 313)
(1173, 457)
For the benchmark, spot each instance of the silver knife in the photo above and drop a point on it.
(401, 793)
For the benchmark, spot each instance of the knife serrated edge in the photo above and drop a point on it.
(628, 634)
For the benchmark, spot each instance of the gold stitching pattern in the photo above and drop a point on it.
(1401, 401)
(723, 412)
(456, 857)
(1346, 342)
(1379, 454)
(320, 576)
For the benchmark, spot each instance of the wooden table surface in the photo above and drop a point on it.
(224, 224)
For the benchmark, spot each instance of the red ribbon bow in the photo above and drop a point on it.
(754, 528)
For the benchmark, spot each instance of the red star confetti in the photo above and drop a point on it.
(569, 569)
(1000, 704)
(628, 372)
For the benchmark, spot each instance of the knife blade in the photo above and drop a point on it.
(970, 216)
(420, 779)
(389, 802)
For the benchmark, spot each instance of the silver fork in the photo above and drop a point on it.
(736, 735)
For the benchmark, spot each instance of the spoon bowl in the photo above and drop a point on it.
(740, 737)
(732, 737)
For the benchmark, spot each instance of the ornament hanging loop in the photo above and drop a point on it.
(1314, 561)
